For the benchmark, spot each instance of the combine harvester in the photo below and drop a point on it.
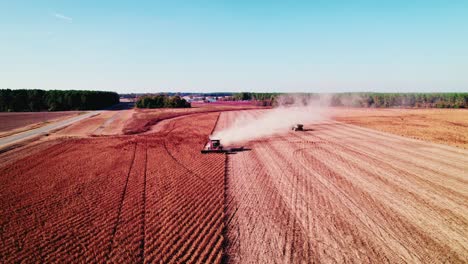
(298, 127)
(214, 146)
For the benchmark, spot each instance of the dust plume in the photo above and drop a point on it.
(291, 110)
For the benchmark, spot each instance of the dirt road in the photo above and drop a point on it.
(341, 193)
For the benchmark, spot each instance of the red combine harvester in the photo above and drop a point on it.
(214, 146)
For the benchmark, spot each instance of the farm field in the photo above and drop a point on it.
(143, 120)
(17, 121)
(342, 193)
(445, 126)
(103, 123)
(119, 199)
(333, 193)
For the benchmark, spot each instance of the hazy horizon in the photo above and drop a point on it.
(253, 46)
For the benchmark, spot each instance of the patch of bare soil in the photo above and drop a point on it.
(444, 126)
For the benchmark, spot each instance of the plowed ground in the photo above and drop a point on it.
(124, 199)
(340, 193)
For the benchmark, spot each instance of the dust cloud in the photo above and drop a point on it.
(291, 110)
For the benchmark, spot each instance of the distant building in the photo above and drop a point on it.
(210, 99)
(187, 98)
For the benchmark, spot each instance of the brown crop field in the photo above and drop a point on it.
(119, 199)
(340, 193)
(143, 120)
(16, 122)
(103, 123)
(445, 126)
(335, 192)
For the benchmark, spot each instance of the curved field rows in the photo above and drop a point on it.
(341, 193)
(130, 199)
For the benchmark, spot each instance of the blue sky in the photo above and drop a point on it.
(282, 46)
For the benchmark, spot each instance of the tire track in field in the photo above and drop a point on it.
(143, 213)
(122, 198)
(106, 123)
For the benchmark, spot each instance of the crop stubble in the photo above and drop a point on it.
(343, 193)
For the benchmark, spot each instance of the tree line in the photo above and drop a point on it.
(162, 101)
(379, 100)
(419, 100)
(55, 100)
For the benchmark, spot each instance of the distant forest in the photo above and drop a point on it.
(62, 100)
(55, 100)
(420, 100)
(135, 95)
(162, 101)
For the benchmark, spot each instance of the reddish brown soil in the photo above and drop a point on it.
(337, 193)
(91, 125)
(152, 198)
(23, 121)
(340, 193)
(143, 119)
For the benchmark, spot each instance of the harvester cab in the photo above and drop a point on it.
(214, 144)
(298, 127)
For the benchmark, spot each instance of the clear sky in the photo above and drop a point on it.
(204, 46)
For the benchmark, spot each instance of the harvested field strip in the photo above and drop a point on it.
(327, 189)
(386, 169)
(446, 126)
(419, 165)
(386, 215)
(408, 147)
(341, 193)
(402, 158)
(440, 150)
(423, 215)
